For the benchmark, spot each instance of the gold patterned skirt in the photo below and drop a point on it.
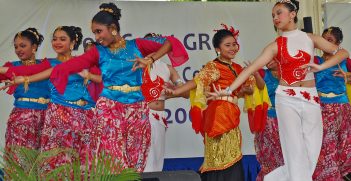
(222, 151)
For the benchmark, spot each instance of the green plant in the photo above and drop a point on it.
(21, 163)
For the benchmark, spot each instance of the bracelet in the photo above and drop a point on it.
(26, 83)
(179, 82)
(228, 91)
(153, 60)
(336, 50)
(87, 78)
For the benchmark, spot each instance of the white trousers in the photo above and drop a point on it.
(155, 158)
(300, 130)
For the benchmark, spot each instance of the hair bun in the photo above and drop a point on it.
(297, 4)
(78, 36)
(39, 38)
(112, 9)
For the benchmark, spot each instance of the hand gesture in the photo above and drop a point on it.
(84, 73)
(217, 93)
(311, 67)
(141, 62)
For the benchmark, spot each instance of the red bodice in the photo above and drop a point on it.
(151, 90)
(289, 66)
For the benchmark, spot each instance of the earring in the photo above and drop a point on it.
(33, 51)
(114, 32)
(71, 47)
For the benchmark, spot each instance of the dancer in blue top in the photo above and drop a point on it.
(121, 121)
(335, 158)
(26, 119)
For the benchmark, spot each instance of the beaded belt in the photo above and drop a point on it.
(230, 99)
(40, 100)
(79, 102)
(329, 94)
(124, 88)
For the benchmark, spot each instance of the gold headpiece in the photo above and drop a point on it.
(109, 10)
(289, 2)
(330, 30)
(35, 34)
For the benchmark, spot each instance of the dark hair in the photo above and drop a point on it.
(89, 43)
(336, 32)
(108, 15)
(74, 33)
(152, 35)
(32, 35)
(293, 5)
(219, 36)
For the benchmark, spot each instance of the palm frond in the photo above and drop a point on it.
(21, 163)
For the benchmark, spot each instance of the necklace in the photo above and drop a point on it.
(223, 61)
(28, 62)
(116, 46)
(63, 58)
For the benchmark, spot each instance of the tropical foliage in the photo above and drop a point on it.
(21, 163)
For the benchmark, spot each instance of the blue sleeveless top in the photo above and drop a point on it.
(75, 90)
(272, 84)
(116, 70)
(36, 90)
(327, 83)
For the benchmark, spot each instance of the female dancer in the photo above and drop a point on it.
(335, 157)
(297, 102)
(158, 122)
(26, 119)
(218, 120)
(121, 119)
(68, 117)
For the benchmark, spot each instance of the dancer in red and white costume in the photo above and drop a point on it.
(157, 117)
(297, 101)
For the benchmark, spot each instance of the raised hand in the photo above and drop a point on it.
(15, 81)
(168, 90)
(311, 67)
(343, 74)
(140, 62)
(217, 93)
(84, 73)
(5, 86)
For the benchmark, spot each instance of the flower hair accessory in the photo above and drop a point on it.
(288, 2)
(233, 31)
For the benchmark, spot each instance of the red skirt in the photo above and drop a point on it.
(66, 127)
(24, 128)
(335, 158)
(124, 131)
(268, 149)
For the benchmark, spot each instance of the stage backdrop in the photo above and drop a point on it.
(339, 14)
(192, 22)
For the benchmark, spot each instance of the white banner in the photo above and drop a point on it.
(192, 22)
(339, 14)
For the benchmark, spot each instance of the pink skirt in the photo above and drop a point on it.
(335, 158)
(123, 131)
(24, 128)
(268, 150)
(66, 127)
